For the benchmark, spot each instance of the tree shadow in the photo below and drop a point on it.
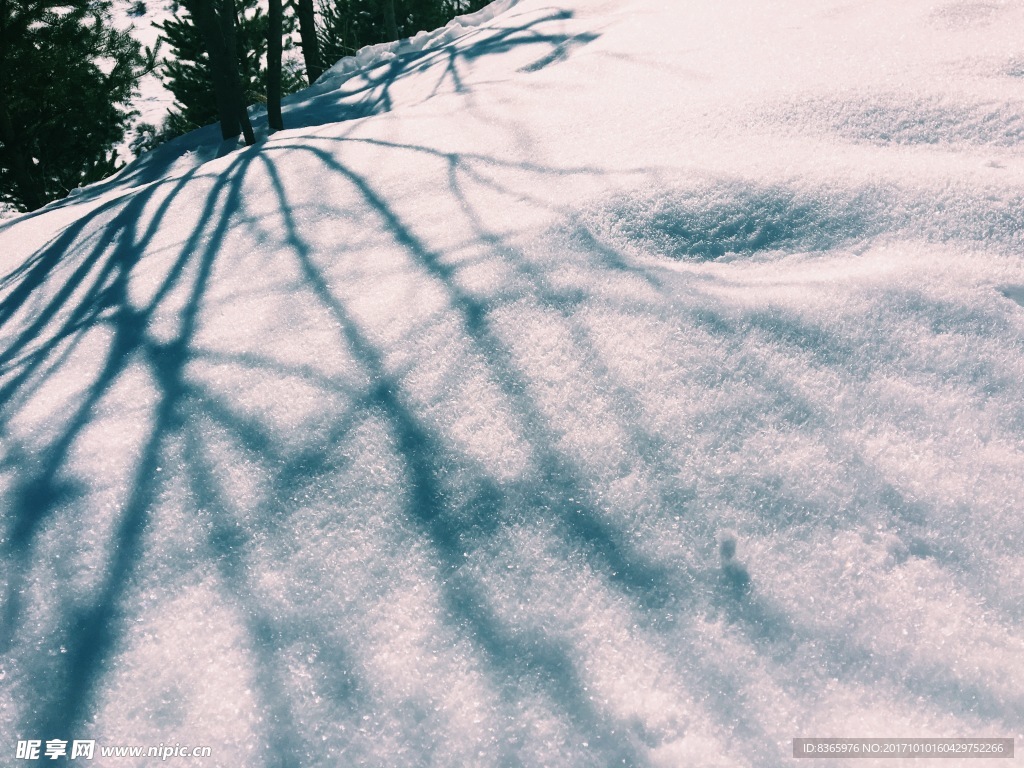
(41, 492)
(48, 312)
(379, 87)
(257, 235)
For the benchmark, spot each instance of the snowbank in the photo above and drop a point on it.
(624, 383)
(371, 56)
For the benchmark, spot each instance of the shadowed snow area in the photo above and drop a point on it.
(555, 396)
(730, 219)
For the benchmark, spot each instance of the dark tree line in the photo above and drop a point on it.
(67, 76)
(216, 68)
(345, 26)
(66, 81)
(218, 46)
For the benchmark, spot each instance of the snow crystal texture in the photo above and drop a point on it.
(609, 383)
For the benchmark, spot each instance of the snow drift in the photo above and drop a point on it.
(619, 382)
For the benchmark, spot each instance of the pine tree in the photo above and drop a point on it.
(275, 24)
(348, 25)
(345, 27)
(312, 57)
(189, 73)
(66, 79)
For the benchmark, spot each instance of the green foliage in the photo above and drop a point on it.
(348, 25)
(146, 137)
(188, 76)
(66, 78)
(344, 26)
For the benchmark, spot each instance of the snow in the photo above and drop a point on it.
(371, 56)
(621, 382)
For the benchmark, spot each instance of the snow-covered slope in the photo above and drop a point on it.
(624, 382)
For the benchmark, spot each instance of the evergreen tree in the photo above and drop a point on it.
(188, 74)
(275, 23)
(345, 27)
(312, 57)
(348, 25)
(66, 78)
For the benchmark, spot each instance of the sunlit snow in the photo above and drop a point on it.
(613, 382)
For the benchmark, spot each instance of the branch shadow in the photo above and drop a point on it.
(91, 630)
(456, 506)
(356, 94)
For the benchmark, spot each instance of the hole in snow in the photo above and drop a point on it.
(734, 572)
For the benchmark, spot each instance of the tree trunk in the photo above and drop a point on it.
(274, 24)
(228, 14)
(221, 65)
(310, 43)
(389, 19)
